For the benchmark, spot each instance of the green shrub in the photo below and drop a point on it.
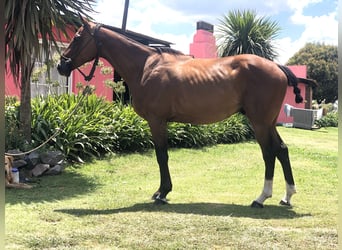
(131, 132)
(188, 136)
(329, 120)
(234, 129)
(83, 122)
(13, 137)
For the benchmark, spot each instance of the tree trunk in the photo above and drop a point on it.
(25, 116)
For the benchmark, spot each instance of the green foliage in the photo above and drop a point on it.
(13, 137)
(83, 122)
(322, 63)
(329, 120)
(231, 130)
(246, 33)
(91, 127)
(32, 28)
(131, 131)
(187, 135)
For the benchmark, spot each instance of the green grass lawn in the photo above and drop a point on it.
(106, 204)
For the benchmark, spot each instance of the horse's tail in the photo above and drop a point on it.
(293, 81)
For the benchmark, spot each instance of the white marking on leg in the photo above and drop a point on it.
(267, 191)
(290, 190)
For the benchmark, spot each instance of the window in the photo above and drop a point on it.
(42, 84)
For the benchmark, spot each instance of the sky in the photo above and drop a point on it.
(301, 21)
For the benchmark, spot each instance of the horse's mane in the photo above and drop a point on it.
(168, 50)
(159, 49)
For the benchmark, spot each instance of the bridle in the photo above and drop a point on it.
(96, 61)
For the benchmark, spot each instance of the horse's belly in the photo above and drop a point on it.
(203, 114)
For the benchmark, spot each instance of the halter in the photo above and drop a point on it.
(96, 61)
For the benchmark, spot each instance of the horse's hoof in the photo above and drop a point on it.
(256, 204)
(155, 195)
(285, 203)
(160, 201)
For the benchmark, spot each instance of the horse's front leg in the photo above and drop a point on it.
(159, 136)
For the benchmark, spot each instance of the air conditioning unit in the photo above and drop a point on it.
(305, 118)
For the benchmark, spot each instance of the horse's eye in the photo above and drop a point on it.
(77, 38)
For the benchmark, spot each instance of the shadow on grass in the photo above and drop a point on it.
(209, 209)
(51, 188)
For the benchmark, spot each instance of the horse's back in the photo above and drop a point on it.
(209, 90)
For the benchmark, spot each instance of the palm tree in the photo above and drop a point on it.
(26, 21)
(246, 33)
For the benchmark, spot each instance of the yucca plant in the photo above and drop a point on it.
(244, 32)
(29, 33)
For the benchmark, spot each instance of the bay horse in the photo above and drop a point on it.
(168, 86)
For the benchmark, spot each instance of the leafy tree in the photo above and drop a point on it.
(27, 23)
(322, 65)
(246, 33)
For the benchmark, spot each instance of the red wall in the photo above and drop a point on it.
(98, 81)
(10, 87)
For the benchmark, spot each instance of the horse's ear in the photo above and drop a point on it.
(84, 21)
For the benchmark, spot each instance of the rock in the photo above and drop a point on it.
(56, 170)
(40, 169)
(33, 158)
(19, 163)
(52, 157)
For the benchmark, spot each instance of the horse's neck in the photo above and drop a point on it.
(126, 56)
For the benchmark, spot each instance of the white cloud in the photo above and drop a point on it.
(320, 28)
(109, 12)
(323, 29)
(144, 15)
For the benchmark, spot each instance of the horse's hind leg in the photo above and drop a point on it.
(283, 157)
(272, 146)
(266, 141)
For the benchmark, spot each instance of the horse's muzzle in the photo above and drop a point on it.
(65, 66)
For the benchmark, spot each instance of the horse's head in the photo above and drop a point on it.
(82, 48)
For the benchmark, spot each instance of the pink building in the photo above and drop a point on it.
(204, 42)
(204, 46)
